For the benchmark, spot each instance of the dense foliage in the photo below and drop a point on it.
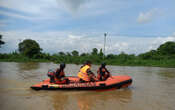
(29, 50)
(167, 48)
(1, 42)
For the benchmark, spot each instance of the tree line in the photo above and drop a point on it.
(29, 50)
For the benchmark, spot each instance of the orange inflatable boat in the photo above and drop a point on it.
(114, 82)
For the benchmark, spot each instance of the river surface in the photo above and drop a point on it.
(153, 88)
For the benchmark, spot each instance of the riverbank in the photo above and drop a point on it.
(149, 63)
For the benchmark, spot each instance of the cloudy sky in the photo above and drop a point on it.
(133, 26)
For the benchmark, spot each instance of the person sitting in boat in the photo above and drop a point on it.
(58, 76)
(85, 74)
(103, 73)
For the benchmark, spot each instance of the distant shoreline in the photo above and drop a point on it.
(163, 56)
(168, 64)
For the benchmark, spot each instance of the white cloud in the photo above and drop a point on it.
(42, 8)
(32, 7)
(73, 37)
(145, 17)
(57, 9)
(31, 10)
(68, 41)
(54, 42)
(21, 16)
(160, 40)
(88, 8)
(15, 15)
(120, 46)
(72, 5)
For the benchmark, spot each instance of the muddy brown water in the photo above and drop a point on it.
(153, 88)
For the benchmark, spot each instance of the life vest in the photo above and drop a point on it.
(102, 71)
(83, 73)
(59, 75)
(102, 74)
(51, 73)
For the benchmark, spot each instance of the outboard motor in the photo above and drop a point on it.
(51, 74)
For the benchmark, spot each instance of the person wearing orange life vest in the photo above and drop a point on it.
(85, 74)
(103, 73)
(58, 76)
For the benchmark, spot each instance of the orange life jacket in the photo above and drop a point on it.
(83, 73)
(61, 75)
(102, 74)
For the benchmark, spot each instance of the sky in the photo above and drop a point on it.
(132, 26)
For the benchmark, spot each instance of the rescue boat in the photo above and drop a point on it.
(114, 82)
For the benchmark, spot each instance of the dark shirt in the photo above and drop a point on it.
(102, 71)
(59, 73)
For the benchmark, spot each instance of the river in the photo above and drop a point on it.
(153, 88)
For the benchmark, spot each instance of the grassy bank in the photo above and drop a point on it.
(114, 61)
(163, 56)
(151, 63)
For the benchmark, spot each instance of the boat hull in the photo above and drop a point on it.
(114, 82)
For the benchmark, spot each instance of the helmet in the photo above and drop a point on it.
(88, 62)
(62, 65)
(103, 64)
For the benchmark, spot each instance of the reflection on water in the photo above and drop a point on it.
(28, 66)
(58, 101)
(167, 73)
(26, 70)
(101, 100)
(152, 89)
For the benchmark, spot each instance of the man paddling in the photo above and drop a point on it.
(85, 74)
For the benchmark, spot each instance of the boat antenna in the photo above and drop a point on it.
(105, 34)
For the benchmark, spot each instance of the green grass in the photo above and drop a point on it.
(120, 60)
(152, 63)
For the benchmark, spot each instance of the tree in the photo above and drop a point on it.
(1, 42)
(29, 48)
(167, 48)
(94, 51)
(84, 54)
(68, 54)
(101, 53)
(123, 56)
(148, 55)
(75, 53)
(110, 56)
(61, 54)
